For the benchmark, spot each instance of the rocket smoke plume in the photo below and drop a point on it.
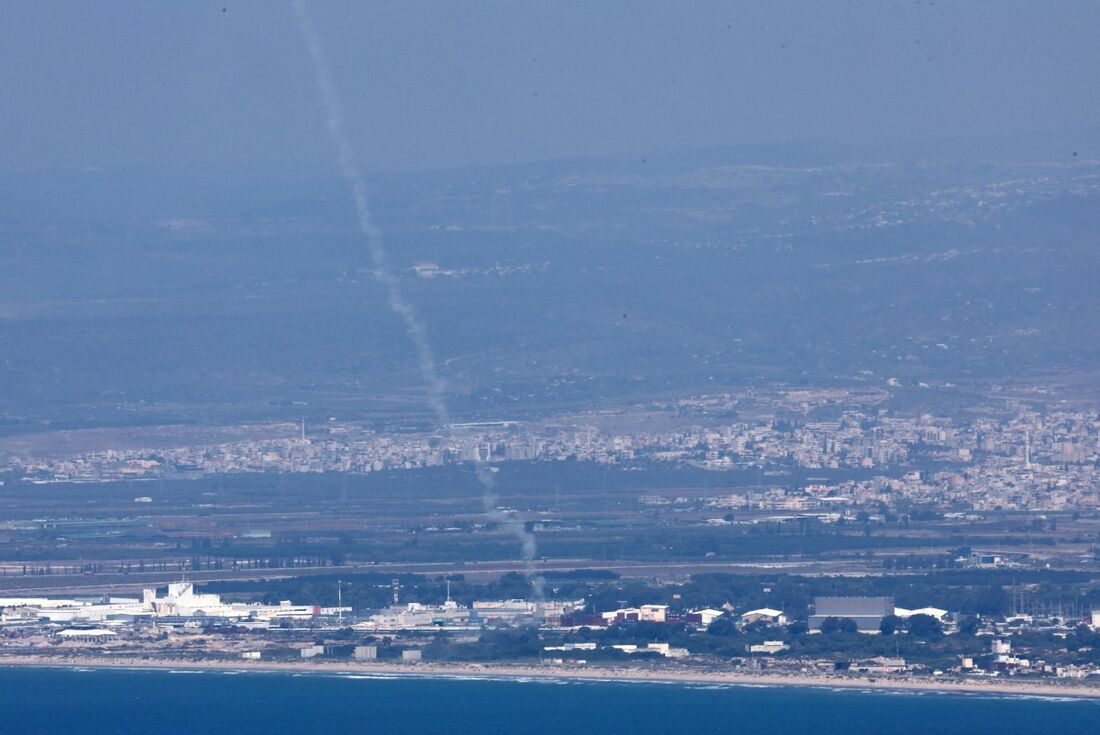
(414, 327)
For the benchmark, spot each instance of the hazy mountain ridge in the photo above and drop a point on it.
(544, 287)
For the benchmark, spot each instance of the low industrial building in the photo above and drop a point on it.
(86, 635)
(932, 612)
(181, 601)
(365, 653)
(764, 615)
(312, 651)
(703, 617)
(769, 647)
(866, 612)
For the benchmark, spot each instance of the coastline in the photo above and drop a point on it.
(999, 687)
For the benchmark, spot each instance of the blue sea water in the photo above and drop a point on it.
(96, 702)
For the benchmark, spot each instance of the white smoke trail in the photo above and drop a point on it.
(350, 171)
(398, 303)
(514, 526)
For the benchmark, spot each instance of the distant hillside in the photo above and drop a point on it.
(137, 296)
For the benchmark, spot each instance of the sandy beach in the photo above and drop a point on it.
(976, 685)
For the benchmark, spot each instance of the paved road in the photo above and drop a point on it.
(480, 571)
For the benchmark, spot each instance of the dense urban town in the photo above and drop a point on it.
(1018, 459)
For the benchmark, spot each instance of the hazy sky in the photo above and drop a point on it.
(433, 84)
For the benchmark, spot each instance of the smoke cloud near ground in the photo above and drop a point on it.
(414, 325)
